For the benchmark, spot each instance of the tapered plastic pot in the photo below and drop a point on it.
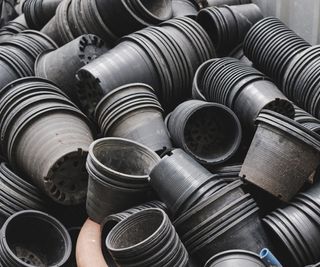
(282, 143)
(112, 220)
(61, 65)
(227, 26)
(157, 246)
(210, 132)
(120, 167)
(50, 246)
(180, 181)
(132, 112)
(240, 258)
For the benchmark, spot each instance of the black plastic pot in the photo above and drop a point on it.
(146, 238)
(239, 258)
(133, 112)
(226, 220)
(183, 8)
(38, 13)
(31, 238)
(17, 194)
(295, 229)
(112, 220)
(35, 141)
(228, 25)
(227, 2)
(244, 89)
(307, 120)
(60, 65)
(238, 53)
(271, 46)
(283, 143)
(118, 176)
(15, 26)
(181, 182)
(210, 132)
(165, 57)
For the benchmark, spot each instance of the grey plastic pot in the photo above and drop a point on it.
(61, 65)
(50, 246)
(118, 176)
(210, 132)
(146, 238)
(183, 8)
(112, 220)
(239, 258)
(282, 143)
(133, 112)
(52, 153)
(181, 182)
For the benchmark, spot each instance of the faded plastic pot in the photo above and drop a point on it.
(133, 112)
(228, 25)
(282, 143)
(239, 258)
(118, 176)
(112, 220)
(51, 153)
(146, 238)
(60, 65)
(31, 238)
(181, 182)
(209, 132)
(38, 13)
(183, 8)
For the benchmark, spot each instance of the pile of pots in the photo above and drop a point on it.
(133, 112)
(228, 25)
(166, 58)
(240, 87)
(108, 19)
(35, 141)
(38, 13)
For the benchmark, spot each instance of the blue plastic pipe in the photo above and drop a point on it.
(269, 259)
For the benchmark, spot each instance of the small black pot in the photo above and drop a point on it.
(51, 244)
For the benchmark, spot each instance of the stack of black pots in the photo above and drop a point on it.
(44, 135)
(112, 220)
(13, 27)
(39, 12)
(292, 153)
(181, 182)
(240, 87)
(301, 83)
(17, 194)
(31, 238)
(295, 229)
(18, 54)
(116, 184)
(147, 238)
(164, 57)
(60, 65)
(209, 132)
(133, 112)
(307, 120)
(228, 25)
(271, 46)
(108, 19)
(228, 219)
